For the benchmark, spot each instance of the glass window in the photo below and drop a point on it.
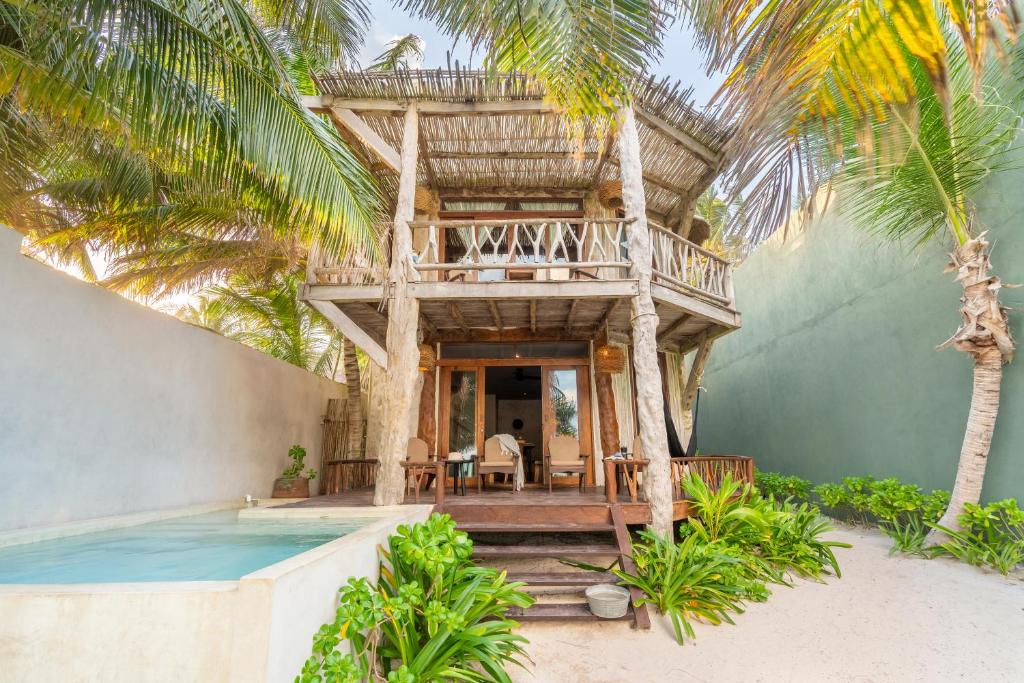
(562, 387)
(462, 420)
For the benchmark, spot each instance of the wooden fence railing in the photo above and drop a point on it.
(682, 265)
(541, 248)
(712, 469)
(534, 244)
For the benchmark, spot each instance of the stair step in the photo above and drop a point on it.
(536, 528)
(562, 578)
(545, 550)
(575, 611)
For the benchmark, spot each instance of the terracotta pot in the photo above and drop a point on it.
(297, 487)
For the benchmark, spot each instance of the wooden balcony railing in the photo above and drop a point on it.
(712, 469)
(522, 246)
(542, 249)
(682, 265)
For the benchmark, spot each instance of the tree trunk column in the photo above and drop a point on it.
(650, 402)
(609, 422)
(403, 320)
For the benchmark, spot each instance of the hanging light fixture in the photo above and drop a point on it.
(428, 359)
(609, 359)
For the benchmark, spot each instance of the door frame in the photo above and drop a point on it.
(480, 365)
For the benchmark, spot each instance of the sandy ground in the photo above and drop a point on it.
(887, 619)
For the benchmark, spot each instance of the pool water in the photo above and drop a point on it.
(216, 546)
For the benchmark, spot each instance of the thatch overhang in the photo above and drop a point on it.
(487, 137)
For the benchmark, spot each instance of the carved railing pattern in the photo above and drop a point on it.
(682, 265)
(594, 247)
(712, 469)
(536, 244)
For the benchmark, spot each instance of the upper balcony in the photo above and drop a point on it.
(570, 275)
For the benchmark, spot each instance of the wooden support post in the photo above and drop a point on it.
(611, 482)
(403, 323)
(700, 359)
(427, 427)
(606, 410)
(650, 400)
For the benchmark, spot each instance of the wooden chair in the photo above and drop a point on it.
(494, 461)
(563, 457)
(419, 467)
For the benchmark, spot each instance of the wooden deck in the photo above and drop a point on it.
(563, 506)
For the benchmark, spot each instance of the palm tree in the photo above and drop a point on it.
(272, 319)
(141, 90)
(399, 54)
(907, 108)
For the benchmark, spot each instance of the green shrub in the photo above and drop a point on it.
(686, 581)
(795, 542)
(432, 616)
(298, 454)
(781, 486)
(990, 535)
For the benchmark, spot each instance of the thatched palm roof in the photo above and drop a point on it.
(474, 148)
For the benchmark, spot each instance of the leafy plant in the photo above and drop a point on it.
(795, 542)
(723, 513)
(992, 534)
(780, 486)
(686, 581)
(907, 536)
(298, 454)
(433, 616)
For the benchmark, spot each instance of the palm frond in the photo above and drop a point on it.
(587, 53)
(399, 53)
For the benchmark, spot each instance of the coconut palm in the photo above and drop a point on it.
(272, 319)
(908, 105)
(194, 88)
(400, 53)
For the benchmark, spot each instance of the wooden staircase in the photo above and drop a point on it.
(513, 533)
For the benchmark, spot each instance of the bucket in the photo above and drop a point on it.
(608, 601)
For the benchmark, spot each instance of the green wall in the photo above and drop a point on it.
(835, 370)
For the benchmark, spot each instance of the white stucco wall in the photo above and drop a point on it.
(108, 407)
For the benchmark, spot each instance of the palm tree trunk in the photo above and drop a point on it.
(354, 409)
(984, 334)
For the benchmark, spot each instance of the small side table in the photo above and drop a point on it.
(629, 469)
(458, 470)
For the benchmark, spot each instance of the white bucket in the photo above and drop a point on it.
(608, 601)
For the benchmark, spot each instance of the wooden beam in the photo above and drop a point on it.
(516, 191)
(351, 331)
(456, 314)
(350, 120)
(682, 138)
(533, 315)
(527, 289)
(434, 107)
(696, 306)
(671, 329)
(696, 372)
(426, 161)
(571, 317)
(515, 334)
(428, 325)
(609, 145)
(613, 305)
(495, 314)
(655, 180)
(367, 293)
(515, 155)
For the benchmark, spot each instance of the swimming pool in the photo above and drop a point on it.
(216, 546)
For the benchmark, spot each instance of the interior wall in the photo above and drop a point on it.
(529, 411)
(108, 407)
(835, 371)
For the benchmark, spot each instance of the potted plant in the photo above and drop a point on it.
(292, 484)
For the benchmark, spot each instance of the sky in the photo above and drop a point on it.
(680, 60)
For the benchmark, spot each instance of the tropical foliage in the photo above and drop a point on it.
(780, 486)
(271, 319)
(432, 616)
(734, 544)
(990, 535)
(126, 118)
